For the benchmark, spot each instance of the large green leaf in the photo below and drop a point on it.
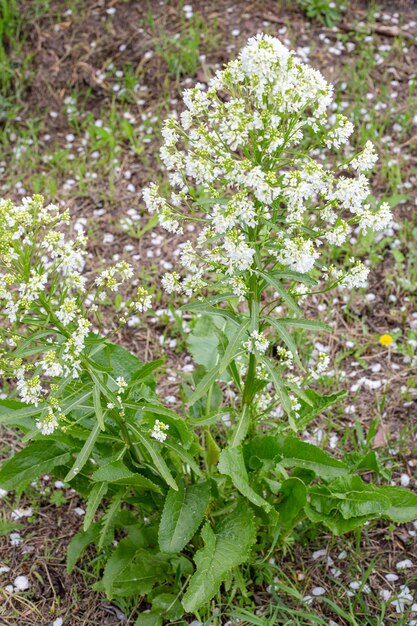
(14, 413)
(403, 504)
(144, 571)
(203, 342)
(39, 457)
(225, 547)
(182, 515)
(294, 497)
(307, 456)
(263, 450)
(118, 361)
(84, 454)
(231, 350)
(97, 493)
(232, 464)
(130, 570)
(150, 618)
(337, 524)
(349, 496)
(118, 473)
(78, 544)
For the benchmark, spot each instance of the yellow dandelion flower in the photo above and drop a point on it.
(386, 340)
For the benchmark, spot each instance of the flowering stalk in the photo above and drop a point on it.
(49, 307)
(244, 166)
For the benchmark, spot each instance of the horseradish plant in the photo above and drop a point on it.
(189, 500)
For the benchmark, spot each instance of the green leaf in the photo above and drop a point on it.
(156, 457)
(232, 464)
(108, 519)
(263, 450)
(234, 345)
(182, 515)
(203, 342)
(97, 493)
(184, 455)
(307, 456)
(130, 570)
(97, 406)
(146, 370)
(118, 361)
(403, 504)
(350, 496)
(317, 404)
(144, 571)
(294, 498)
(282, 292)
(168, 605)
(279, 385)
(206, 308)
(292, 275)
(303, 323)
(14, 413)
(149, 618)
(225, 547)
(337, 524)
(39, 457)
(218, 369)
(242, 427)
(177, 425)
(118, 473)
(84, 453)
(207, 380)
(287, 339)
(78, 544)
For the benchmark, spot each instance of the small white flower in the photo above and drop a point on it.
(159, 431)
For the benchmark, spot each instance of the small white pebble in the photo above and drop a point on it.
(79, 511)
(385, 594)
(58, 622)
(405, 480)
(406, 564)
(15, 539)
(391, 578)
(18, 513)
(319, 553)
(318, 591)
(21, 583)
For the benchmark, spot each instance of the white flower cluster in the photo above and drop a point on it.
(158, 431)
(243, 163)
(46, 303)
(257, 343)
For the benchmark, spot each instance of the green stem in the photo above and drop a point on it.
(131, 445)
